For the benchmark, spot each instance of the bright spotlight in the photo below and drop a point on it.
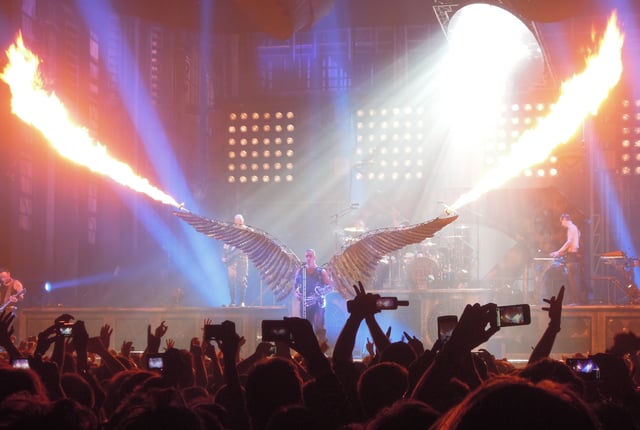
(496, 44)
(261, 130)
(47, 286)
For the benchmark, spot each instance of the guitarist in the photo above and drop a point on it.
(9, 290)
(237, 263)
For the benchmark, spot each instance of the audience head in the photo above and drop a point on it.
(78, 389)
(292, 417)
(624, 343)
(271, 384)
(405, 414)
(121, 385)
(380, 386)
(398, 352)
(20, 381)
(552, 370)
(507, 402)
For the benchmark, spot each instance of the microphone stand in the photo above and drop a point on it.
(304, 292)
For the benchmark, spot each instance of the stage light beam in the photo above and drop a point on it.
(580, 96)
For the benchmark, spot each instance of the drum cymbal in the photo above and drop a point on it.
(353, 230)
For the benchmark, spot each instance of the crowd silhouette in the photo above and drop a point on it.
(72, 380)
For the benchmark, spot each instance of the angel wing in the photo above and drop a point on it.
(358, 261)
(275, 262)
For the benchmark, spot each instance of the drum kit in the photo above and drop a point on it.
(429, 264)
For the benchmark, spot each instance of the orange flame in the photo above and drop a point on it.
(44, 111)
(580, 96)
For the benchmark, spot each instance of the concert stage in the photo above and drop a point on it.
(585, 329)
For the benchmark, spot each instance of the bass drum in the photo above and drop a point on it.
(422, 272)
(381, 275)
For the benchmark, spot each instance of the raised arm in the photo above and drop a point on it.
(545, 344)
(359, 307)
(229, 343)
(476, 326)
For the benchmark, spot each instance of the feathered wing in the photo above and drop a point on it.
(358, 261)
(275, 262)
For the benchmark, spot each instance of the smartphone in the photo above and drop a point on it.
(155, 362)
(512, 315)
(20, 363)
(446, 325)
(275, 331)
(66, 329)
(587, 368)
(218, 331)
(213, 331)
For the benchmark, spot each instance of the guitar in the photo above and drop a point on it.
(16, 295)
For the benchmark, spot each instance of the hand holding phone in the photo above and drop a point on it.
(446, 325)
(66, 329)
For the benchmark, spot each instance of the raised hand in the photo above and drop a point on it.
(45, 339)
(6, 330)
(80, 335)
(363, 305)
(126, 348)
(229, 343)
(80, 343)
(545, 344)
(161, 330)
(477, 324)
(555, 308)
(370, 347)
(105, 335)
(304, 341)
(153, 339)
(170, 343)
(414, 343)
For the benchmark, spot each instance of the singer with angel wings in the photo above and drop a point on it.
(312, 284)
(278, 265)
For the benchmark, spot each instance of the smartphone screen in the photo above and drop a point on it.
(275, 331)
(387, 303)
(585, 367)
(512, 315)
(156, 362)
(20, 363)
(446, 325)
(66, 330)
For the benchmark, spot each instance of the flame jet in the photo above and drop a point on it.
(44, 111)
